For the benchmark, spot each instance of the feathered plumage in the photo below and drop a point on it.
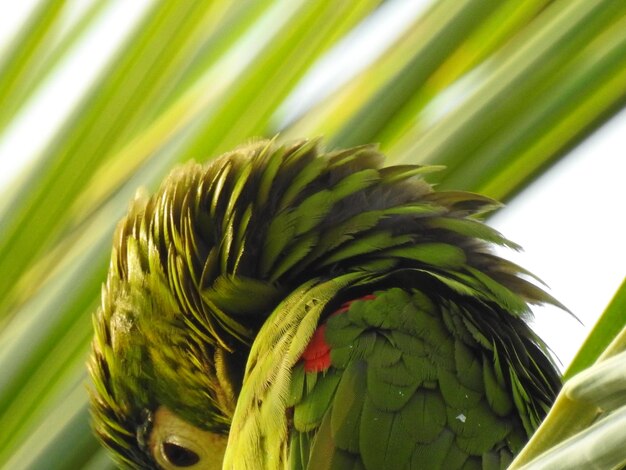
(219, 281)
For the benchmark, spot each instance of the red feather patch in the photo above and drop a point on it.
(316, 356)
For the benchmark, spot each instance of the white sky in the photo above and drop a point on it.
(570, 222)
(572, 225)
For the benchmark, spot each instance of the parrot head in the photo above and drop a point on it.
(177, 318)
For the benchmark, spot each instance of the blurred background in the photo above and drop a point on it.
(519, 100)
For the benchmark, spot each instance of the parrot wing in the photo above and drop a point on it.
(401, 382)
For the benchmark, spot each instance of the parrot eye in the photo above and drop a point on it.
(179, 456)
(174, 443)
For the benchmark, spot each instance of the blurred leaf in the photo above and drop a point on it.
(511, 96)
(570, 415)
(605, 330)
(22, 61)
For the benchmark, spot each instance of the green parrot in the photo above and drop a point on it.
(287, 307)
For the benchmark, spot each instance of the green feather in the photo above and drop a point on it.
(348, 407)
(338, 234)
(463, 203)
(355, 182)
(296, 452)
(440, 255)
(416, 210)
(497, 397)
(387, 392)
(376, 438)
(456, 458)
(281, 231)
(427, 411)
(469, 367)
(478, 430)
(397, 374)
(471, 228)
(364, 155)
(395, 174)
(383, 354)
(310, 411)
(366, 244)
(296, 386)
(454, 393)
(241, 295)
(239, 244)
(434, 452)
(308, 174)
(504, 296)
(342, 336)
(297, 252)
(323, 452)
(269, 168)
(312, 211)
